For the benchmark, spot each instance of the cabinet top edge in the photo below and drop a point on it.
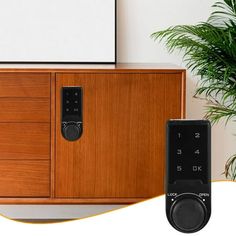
(119, 67)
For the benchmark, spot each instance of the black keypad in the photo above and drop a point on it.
(72, 104)
(187, 152)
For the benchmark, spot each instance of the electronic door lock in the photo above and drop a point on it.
(71, 119)
(188, 174)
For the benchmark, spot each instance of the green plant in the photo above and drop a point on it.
(209, 51)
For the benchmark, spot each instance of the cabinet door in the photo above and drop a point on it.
(122, 149)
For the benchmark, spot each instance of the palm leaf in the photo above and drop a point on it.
(209, 51)
(230, 168)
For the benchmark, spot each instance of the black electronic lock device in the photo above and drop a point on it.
(188, 174)
(71, 119)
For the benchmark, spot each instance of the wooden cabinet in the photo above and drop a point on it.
(25, 134)
(120, 155)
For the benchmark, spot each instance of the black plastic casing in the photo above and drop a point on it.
(187, 185)
(71, 112)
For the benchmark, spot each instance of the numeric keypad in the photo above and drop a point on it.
(188, 151)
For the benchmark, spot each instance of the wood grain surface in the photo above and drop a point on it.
(24, 178)
(92, 68)
(25, 85)
(53, 135)
(22, 141)
(122, 150)
(68, 201)
(25, 110)
(25, 134)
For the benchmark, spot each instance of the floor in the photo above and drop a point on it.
(53, 213)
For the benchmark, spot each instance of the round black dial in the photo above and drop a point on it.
(188, 214)
(72, 132)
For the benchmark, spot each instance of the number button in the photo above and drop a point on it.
(197, 135)
(197, 152)
(179, 135)
(179, 152)
(179, 168)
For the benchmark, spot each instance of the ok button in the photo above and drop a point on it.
(197, 168)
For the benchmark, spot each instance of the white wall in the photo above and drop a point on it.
(137, 19)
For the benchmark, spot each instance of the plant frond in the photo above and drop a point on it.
(225, 12)
(230, 168)
(209, 51)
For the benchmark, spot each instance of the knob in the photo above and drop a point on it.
(188, 214)
(72, 132)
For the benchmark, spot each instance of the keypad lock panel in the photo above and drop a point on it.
(72, 104)
(71, 108)
(188, 151)
(188, 178)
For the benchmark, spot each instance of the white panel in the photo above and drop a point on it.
(57, 30)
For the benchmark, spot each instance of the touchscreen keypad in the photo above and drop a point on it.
(188, 152)
(72, 104)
